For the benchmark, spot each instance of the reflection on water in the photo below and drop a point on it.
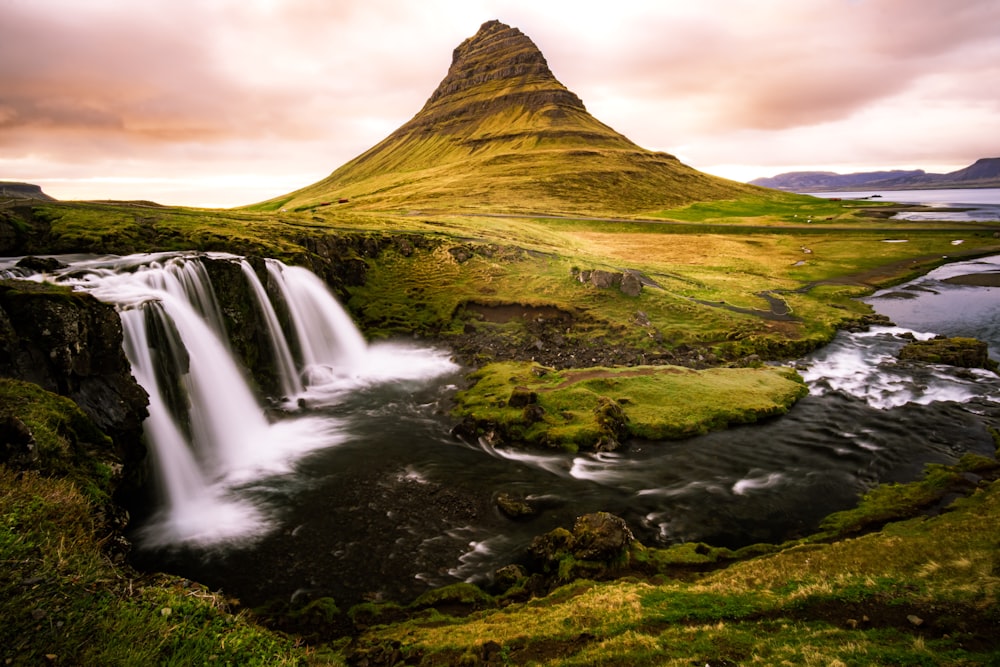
(933, 304)
(978, 204)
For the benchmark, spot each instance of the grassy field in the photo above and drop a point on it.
(721, 282)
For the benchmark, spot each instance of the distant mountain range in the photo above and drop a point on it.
(984, 173)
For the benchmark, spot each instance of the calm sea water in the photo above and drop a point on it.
(982, 203)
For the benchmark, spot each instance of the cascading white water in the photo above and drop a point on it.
(187, 280)
(192, 510)
(210, 445)
(328, 342)
(228, 425)
(288, 374)
(865, 365)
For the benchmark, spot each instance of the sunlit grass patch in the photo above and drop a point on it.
(570, 408)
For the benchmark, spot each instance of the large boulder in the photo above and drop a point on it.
(961, 352)
(600, 538)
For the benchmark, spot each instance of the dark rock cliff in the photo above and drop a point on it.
(71, 344)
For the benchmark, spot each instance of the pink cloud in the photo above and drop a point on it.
(224, 86)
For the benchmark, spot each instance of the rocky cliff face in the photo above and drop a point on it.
(496, 56)
(71, 344)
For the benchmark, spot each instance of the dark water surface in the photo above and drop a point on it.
(398, 505)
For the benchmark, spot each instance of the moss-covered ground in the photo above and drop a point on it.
(575, 409)
(888, 584)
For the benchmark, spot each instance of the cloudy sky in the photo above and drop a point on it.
(228, 102)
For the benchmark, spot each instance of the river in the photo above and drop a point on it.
(398, 504)
(356, 489)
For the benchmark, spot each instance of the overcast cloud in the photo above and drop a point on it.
(227, 102)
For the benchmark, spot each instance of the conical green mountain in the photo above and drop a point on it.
(501, 134)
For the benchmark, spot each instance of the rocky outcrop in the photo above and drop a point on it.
(245, 328)
(341, 260)
(496, 53)
(71, 344)
(13, 190)
(961, 352)
(598, 547)
(629, 282)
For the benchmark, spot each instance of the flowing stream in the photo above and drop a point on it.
(349, 484)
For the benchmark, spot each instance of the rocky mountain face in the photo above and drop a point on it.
(501, 132)
(984, 173)
(497, 54)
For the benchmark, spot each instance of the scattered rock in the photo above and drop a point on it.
(513, 506)
(508, 575)
(491, 653)
(40, 264)
(865, 322)
(17, 443)
(533, 413)
(461, 254)
(613, 422)
(605, 279)
(600, 536)
(631, 284)
(915, 620)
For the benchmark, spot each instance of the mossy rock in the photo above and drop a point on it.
(46, 432)
(455, 599)
(597, 408)
(959, 351)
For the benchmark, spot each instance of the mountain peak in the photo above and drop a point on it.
(501, 133)
(499, 70)
(497, 53)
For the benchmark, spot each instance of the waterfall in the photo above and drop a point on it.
(211, 441)
(328, 342)
(191, 509)
(288, 374)
(187, 280)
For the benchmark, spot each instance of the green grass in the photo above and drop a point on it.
(577, 409)
(801, 603)
(63, 441)
(63, 600)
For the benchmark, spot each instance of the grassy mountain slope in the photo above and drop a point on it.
(500, 133)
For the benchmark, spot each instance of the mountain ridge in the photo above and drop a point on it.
(18, 190)
(983, 173)
(501, 133)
